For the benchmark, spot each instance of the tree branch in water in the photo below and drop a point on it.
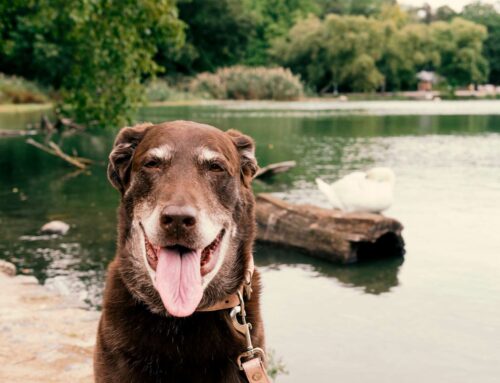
(54, 149)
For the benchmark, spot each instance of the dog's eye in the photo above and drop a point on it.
(152, 163)
(215, 167)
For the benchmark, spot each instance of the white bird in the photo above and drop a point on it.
(370, 192)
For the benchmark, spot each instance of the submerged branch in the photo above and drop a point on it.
(54, 149)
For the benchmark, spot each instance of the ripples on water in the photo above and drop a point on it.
(432, 317)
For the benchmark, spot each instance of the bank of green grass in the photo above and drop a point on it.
(17, 90)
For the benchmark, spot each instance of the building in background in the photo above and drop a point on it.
(426, 80)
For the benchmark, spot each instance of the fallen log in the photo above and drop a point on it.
(272, 169)
(326, 233)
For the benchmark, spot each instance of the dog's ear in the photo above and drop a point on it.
(120, 157)
(246, 150)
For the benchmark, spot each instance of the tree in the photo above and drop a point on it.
(460, 45)
(487, 15)
(274, 18)
(354, 44)
(408, 51)
(218, 34)
(444, 13)
(353, 7)
(94, 52)
(339, 52)
(368, 7)
(394, 13)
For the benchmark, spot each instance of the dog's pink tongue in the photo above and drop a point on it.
(178, 280)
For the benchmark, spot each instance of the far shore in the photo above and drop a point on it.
(333, 106)
(24, 108)
(318, 105)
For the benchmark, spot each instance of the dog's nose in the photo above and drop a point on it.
(178, 216)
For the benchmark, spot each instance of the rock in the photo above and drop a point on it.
(55, 227)
(44, 338)
(7, 268)
(327, 233)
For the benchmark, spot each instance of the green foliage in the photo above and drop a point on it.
(487, 15)
(16, 90)
(341, 51)
(408, 51)
(460, 44)
(98, 54)
(275, 365)
(393, 13)
(95, 52)
(218, 34)
(158, 90)
(273, 19)
(249, 83)
(356, 53)
(353, 7)
(452, 49)
(444, 13)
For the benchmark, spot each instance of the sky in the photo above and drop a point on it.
(455, 4)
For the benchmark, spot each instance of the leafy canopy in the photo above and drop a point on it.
(95, 52)
(356, 53)
(487, 15)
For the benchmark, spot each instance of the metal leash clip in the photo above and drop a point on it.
(244, 328)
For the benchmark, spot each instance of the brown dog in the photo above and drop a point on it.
(185, 236)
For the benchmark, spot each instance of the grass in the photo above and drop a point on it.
(275, 365)
(17, 90)
(24, 108)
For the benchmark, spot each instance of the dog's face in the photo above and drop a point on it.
(186, 211)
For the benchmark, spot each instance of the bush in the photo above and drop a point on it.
(159, 90)
(247, 83)
(17, 90)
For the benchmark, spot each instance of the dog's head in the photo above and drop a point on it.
(186, 214)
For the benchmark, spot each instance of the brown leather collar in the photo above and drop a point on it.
(232, 300)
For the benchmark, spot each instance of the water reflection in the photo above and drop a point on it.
(375, 277)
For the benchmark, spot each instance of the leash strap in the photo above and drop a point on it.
(251, 361)
(255, 371)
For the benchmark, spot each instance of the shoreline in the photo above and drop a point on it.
(44, 337)
(24, 108)
(316, 105)
(338, 107)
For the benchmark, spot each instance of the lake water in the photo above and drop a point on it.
(432, 317)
